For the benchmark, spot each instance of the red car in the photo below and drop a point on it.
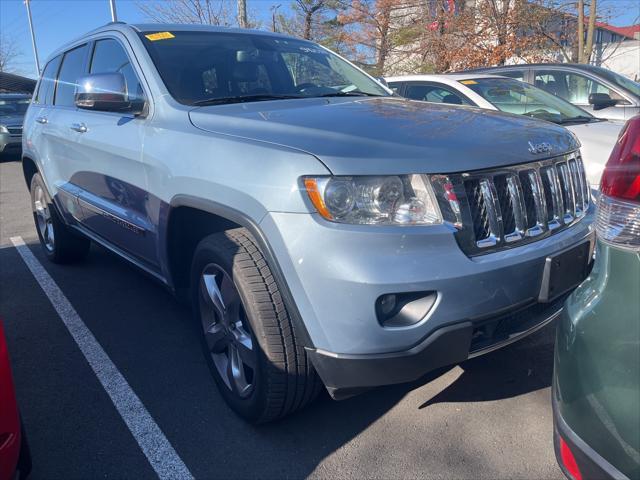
(15, 460)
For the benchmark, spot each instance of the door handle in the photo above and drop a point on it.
(79, 127)
(42, 120)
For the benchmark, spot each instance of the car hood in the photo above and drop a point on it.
(374, 136)
(11, 120)
(597, 139)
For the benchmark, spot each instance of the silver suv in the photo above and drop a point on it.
(325, 231)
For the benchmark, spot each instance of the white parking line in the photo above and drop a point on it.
(161, 455)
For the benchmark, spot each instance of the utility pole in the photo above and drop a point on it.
(33, 36)
(242, 14)
(274, 11)
(114, 14)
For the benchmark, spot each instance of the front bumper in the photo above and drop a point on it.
(10, 143)
(335, 274)
(348, 375)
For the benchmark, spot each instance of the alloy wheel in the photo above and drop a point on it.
(43, 218)
(227, 331)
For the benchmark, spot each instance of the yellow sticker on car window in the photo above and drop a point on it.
(160, 36)
(468, 82)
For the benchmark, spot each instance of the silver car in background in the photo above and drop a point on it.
(13, 107)
(602, 92)
(597, 136)
(325, 232)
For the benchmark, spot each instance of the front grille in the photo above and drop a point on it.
(481, 228)
(511, 206)
(15, 129)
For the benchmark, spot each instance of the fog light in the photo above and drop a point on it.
(387, 304)
(404, 309)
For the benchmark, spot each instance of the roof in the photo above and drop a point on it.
(166, 27)
(16, 83)
(14, 95)
(628, 31)
(176, 27)
(579, 66)
(446, 77)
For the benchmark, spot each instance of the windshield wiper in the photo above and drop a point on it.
(578, 119)
(352, 93)
(244, 98)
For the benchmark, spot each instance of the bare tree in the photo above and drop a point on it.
(567, 27)
(309, 9)
(588, 48)
(8, 53)
(208, 12)
(309, 19)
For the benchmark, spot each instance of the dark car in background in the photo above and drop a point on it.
(596, 385)
(601, 92)
(13, 106)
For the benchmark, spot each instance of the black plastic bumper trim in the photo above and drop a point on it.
(590, 462)
(346, 375)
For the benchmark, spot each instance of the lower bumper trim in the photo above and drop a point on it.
(590, 462)
(346, 375)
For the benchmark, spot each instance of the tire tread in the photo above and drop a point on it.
(291, 379)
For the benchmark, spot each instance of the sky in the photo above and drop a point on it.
(59, 21)
(56, 22)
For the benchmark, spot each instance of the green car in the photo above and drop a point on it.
(596, 385)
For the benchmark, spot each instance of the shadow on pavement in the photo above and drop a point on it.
(10, 157)
(153, 341)
(521, 368)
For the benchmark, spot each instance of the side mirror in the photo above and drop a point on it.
(106, 92)
(601, 100)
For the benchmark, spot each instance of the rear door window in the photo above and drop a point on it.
(44, 96)
(73, 67)
(573, 87)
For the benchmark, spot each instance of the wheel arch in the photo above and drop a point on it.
(210, 217)
(29, 169)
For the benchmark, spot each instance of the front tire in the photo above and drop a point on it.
(249, 339)
(59, 243)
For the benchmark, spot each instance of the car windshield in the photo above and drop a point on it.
(11, 107)
(200, 68)
(517, 97)
(620, 80)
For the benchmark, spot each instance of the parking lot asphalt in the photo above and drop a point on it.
(487, 418)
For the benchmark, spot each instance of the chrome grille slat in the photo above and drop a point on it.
(495, 218)
(539, 203)
(566, 186)
(515, 205)
(577, 187)
(517, 202)
(555, 221)
(586, 194)
(14, 129)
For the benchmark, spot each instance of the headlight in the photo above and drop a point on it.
(3, 129)
(387, 200)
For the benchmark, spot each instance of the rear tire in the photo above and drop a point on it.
(60, 244)
(272, 378)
